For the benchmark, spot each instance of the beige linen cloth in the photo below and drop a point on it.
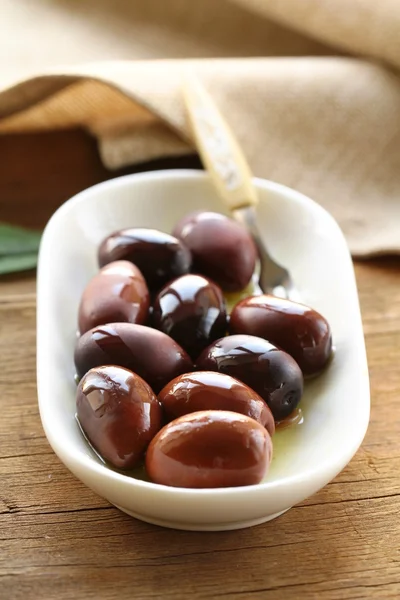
(311, 88)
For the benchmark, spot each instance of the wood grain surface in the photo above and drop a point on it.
(59, 540)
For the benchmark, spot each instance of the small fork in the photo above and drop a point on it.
(273, 278)
(231, 176)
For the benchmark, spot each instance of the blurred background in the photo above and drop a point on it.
(311, 89)
(42, 33)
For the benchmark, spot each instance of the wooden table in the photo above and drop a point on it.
(59, 540)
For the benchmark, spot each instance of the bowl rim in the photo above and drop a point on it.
(78, 458)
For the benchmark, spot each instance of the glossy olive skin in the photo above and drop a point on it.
(209, 449)
(208, 390)
(299, 330)
(118, 293)
(159, 256)
(221, 248)
(191, 309)
(119, 414)
(151, 354)
(272, 373)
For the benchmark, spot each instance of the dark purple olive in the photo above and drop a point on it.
(272, 373)
(221, 248)
(119, 414)
(118, 293)
(151, 354)
(207, 390)
(299, 330)
(210, 449)
(191, 309)
(159, 256)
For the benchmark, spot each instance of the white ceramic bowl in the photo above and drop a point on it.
(303, 237)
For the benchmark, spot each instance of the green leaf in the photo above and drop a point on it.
(17, 262)
(18, 248)
(17, 240)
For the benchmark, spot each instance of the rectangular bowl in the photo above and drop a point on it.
(300, 235)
